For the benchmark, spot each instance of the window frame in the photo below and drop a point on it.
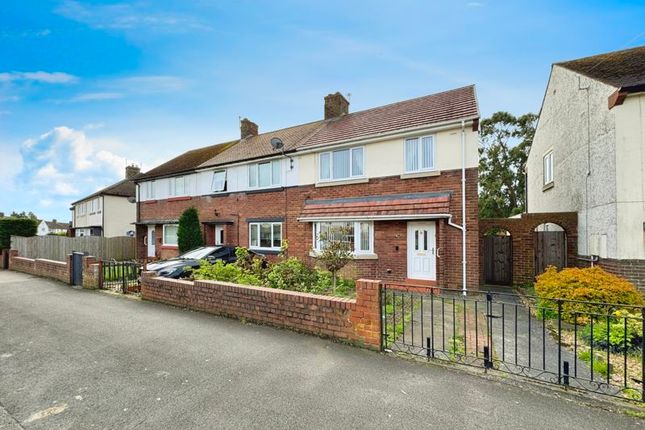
(224, 184)
(330, 172)
(253, 171)
(271, 224)
(357, 235)
(163, 235)
(547, 161)
(419, 151)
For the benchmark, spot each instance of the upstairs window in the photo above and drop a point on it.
(177, 186)
(547, 171)
(419, 154)
(265, 175)
(341, 164)
(219, 181)
(147, 190)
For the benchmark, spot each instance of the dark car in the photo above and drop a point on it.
(177, 267)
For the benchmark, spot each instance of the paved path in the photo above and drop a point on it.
(81, 359)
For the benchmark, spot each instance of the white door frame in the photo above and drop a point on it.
(421, 250)
(151, 245)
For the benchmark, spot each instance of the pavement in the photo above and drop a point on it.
(82, 359)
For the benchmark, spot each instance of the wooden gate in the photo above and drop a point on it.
(550, 250)
(498, 260)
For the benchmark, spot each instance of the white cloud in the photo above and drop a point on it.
(98, 96)
(40, 76)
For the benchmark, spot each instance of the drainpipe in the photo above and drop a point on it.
(462, 227)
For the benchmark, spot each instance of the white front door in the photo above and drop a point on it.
(422, 263)
(151, 241)
(219, 235)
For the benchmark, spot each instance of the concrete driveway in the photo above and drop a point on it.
(81, 359)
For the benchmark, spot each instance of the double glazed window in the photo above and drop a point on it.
(548, 168)
(265, 235)
(341, 164)
(177, 186)
(147, 191)
(265, 175)
(170, 234)
(359, 235)
(219, 181)
(419, 154)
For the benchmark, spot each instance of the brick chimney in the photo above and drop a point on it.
(336, 105)
(131, 171)
(248, 128)
(54, 221)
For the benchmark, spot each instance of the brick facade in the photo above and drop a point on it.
(59, 270)
(287, 204)
(352, 320)
(523, 240)
(632, 270)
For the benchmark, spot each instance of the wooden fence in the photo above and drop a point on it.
(58, 247)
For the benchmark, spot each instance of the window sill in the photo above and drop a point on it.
(149, 202)
(179, 199)
(169, 247)
(342, 182)
(412, 175)
(367, 256)
(270, 251)
(548, 186)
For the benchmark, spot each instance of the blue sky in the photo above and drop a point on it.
(87, 86)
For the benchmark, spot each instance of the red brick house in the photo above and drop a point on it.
(391, 174)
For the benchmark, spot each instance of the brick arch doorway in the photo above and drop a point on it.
(498, 256)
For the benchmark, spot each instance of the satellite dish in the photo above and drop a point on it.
(277, 143)
(132, 199)
(130, 233)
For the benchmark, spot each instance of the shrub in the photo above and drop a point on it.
(625, 332)
(189, 231)
(220, 271)
(17, 227)
(588, 286)
(292, 274)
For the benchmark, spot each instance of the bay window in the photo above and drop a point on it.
(341, 164)
(265, 235)
(170, 234)
(265, 175)
(419, 154)
(358, 234)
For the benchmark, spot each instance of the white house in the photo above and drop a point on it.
(51, 227)
(109, 212)
(588, 156)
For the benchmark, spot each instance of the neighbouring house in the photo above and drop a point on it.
(110, 212)
(391, 174)
(588, 156)
(52, 227)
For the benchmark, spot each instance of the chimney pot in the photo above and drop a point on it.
(54, 220)
(248, 128)
(131, 171)
(336, 105)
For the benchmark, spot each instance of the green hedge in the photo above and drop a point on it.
(15, 227)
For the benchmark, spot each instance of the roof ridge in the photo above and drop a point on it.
(619, 51)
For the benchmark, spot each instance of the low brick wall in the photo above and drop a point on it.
(632, 270)
(40, 267)
(352, 320)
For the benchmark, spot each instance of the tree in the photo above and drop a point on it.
(336, 250)
(189, 232)
(12, 226)
(506, 142)
(23, 214)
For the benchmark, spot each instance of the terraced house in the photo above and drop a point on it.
(391, 174)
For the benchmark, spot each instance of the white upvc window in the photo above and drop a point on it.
(341, 164)
(81, 208)
(177, 186)
(170, 234)
(148, 190)
(419, 154)
(547, 172)
(219, 181)
(359, 234)
(98, 204)
(265, 175)
(265, 235)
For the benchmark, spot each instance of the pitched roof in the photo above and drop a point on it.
(260, 145)
(621, 69)
(187, 161)
(57, 225)
(460, 103)
(123, 188)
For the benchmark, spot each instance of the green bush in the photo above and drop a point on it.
(220, 271)
(292, 274)
(13, 226)
(189, 231)
(625, 332)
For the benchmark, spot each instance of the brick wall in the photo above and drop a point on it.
(390, 241)
(632, 270)
(58, 270)
(352, 320)
(523, 240)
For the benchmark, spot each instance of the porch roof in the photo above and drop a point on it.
(157, 221)
(382, 207)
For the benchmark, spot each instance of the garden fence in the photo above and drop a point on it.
(59, 247)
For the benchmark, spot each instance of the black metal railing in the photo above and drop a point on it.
(590, 346)
(122, 276)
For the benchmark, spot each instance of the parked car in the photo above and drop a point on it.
(177, 267)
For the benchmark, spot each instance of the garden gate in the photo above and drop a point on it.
(498, 260)
(550, 250)
(120, 276)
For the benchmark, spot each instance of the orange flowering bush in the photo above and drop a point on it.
(590, 284)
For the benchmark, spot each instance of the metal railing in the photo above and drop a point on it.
(122, 276)
(591, 346)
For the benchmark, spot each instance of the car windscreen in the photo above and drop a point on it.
(199, 253)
